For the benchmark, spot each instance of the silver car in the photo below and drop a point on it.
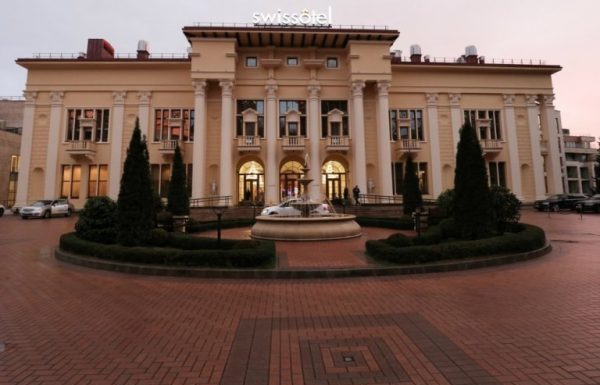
(47, 209)
(287, 209)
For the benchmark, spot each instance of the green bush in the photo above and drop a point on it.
(158, 237)
(506, 208)
(240, 254)
(405, 222)
(445, 202)
(196, 227)
(98, 220)
(527, 239)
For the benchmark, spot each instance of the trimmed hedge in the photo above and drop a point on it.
(196, 227)
(397, 249)
(404, 222)
(180, 250)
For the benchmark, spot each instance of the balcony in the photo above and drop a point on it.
(167, 147)
(248, 143)
(491, 146)
(544, 147)
(85, 148)
(337, 143)
(406, 146)
(293, 143)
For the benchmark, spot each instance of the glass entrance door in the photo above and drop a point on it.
(333, 187)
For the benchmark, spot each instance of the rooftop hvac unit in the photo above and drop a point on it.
(415, 49)
(470, 50)
(142, 45)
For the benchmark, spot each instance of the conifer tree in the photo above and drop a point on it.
(179, 202)
(472, 207)
(135, 206)
(411, 193)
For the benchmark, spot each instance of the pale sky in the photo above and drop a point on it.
(563, 32)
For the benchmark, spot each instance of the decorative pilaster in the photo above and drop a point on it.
(551, 131)
(50, 173)
(383, 136)
(455, 115)
(513, 147)
(225, 168)
(358, 141)
(144, 98)
(116, 143)
(314, 136)
(198, 155)
(271, 171)
(26, 145)
(434, 144)
(534, 139)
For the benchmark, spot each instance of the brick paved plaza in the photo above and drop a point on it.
(536, 322)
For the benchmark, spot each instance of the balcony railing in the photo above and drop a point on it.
(491, 146)
(407, 145)
(167, 147)
(82, 147)
(293, 143)
(248, 143)
(338, 143)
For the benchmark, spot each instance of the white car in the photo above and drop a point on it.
(287, 209)
(47, 209)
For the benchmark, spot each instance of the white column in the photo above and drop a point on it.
(534, 139)
(53, 141)
(383, 138)
(434, 144)
(513, 147)
(358, 140)
(116, 144)
(456, 117)
(26, 144)
(315, 138)
(225, 168)
(144, 113)
(553, 169)
(271, 169)
(199, 146)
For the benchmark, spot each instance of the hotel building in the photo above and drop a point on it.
(249, 105)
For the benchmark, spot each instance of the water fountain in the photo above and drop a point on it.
(309, 226)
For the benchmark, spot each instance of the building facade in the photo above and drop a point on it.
(11, 119)
(579, 172)
(250, 106)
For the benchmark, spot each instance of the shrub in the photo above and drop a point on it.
(445, 202)
(506, 207)
(98, 220)
(411, 193)
(179, 201)
(196, 227)
(164, 219)
(405, 222)
(158, 237)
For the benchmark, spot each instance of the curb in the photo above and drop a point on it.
(175, 271)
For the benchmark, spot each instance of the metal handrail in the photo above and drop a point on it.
(491, 143)
(82, 145)
(211, 201)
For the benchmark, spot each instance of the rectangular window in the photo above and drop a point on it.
(332, 62)
(98, 180)
(423, 177)
(398, 177)
(406, 125)
(497, 173)
(572, 172)
(87, 124)
(285, 121)
(70, 181)
(173, 124)
(258, 106)
(485, 122)
(329, 106)
(160, 174)
(251, 61)
(14, 163)
(292, 60)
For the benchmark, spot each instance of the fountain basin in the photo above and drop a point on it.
(336, 226)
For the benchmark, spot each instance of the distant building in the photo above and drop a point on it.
(11, 123)
(578, 168)
(247, 103)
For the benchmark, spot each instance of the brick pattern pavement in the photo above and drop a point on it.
(529, 323)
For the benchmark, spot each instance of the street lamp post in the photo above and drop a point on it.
(218, 209)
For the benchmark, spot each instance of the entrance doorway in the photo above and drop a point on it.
(289, 187)
(335, 179)
(251, 183)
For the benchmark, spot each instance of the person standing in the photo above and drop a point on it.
(356, 194)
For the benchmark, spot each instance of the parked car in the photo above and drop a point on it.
(559, 202)
(287, 209)
(1, 210)
(47, 209)
(590, 204)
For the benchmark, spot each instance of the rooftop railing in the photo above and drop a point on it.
(82, 55)
(12, 98)
(299, 26)
(458, 60)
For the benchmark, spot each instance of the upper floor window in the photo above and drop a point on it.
(292, 60)
(485, 122)
(14, 163)
(250, 118)
(292, 118)
(87, 124)
(251, 61)
(173, 124)
(406, 125)
(334, 118)
(497, 173)
(332, 62)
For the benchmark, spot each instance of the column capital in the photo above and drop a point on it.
(199, 87)
(432, 100)
(144, 97)
(509, 100)
(226, 87)
(271, 89)
(383, 87)
(548, 100)
(454, 99)
(56, 98)
(119, 98)
(30, 97)
(357, 88)
(313, 91)
(531, 100)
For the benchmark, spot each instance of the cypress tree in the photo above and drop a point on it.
(179, 202)
(411, 193)
(135, 206)
(472, 207)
